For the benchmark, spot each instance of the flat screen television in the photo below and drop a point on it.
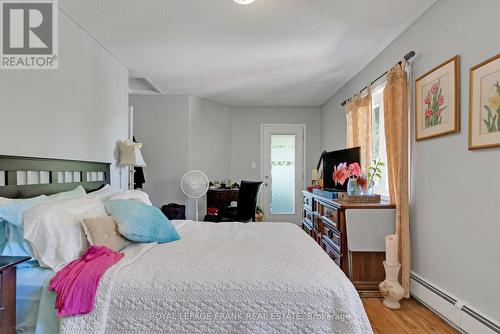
(332, 159)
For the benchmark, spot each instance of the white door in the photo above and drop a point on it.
(282, 170)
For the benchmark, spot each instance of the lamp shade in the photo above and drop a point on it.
(130, 154)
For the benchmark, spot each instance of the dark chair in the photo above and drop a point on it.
(247, 203)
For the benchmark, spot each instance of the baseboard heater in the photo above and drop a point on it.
(456, 312)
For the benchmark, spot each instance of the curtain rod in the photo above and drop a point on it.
(407, 57)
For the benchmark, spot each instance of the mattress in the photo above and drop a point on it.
(225, 278)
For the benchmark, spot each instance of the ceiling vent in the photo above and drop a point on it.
(142, 86)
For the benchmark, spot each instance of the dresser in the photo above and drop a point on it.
(332, 224)
(8, 292)
(221, 198)
(218, 199)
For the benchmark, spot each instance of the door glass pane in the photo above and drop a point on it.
(283, 174)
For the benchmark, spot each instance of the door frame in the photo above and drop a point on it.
(262, 172)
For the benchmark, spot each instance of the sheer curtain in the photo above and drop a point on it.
(359, 126)
(396, 133)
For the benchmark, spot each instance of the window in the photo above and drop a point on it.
(378, 143)
(283, 174)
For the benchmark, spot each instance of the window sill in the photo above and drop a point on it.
(385, 197)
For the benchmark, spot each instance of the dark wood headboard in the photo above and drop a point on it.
(24, 177)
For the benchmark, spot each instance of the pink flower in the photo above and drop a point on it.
(440, 100)
(428, 99)
(428, 113)
(341, 173)
(362, 182)
(355, 169)
(434, 88)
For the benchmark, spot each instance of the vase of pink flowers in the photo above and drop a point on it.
(359, 183)
(344, 172)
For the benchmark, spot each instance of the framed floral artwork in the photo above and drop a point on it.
(484, 104)
(437, 101)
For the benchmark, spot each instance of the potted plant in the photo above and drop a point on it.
(374, 174)
(259, 214)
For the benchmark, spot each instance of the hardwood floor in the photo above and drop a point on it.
(412, 318)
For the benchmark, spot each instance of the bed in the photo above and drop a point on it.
(220, 278)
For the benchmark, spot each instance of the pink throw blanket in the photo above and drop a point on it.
(76, 284)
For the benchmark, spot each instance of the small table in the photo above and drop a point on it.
(219, 199)
(8, 292)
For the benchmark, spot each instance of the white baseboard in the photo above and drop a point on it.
(459, 314)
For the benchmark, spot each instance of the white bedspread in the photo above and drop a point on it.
(225, 278)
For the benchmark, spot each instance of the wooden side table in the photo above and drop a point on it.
(219, 199)
(8, 292)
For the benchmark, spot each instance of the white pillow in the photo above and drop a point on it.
(105, 192)
(54, 232)
(77, 192)
(132, 194)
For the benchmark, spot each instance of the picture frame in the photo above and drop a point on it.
(437, 101)
(484, 104)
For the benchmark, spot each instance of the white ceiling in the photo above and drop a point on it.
(269, 53)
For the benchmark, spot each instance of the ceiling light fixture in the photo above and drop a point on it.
(244, 2)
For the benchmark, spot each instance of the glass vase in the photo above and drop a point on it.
(352, 187)
(369, 190)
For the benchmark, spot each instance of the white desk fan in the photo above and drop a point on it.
(194, 184)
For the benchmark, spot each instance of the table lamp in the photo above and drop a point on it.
(130, 155)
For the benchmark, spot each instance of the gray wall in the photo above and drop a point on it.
(455, 224)
(161, 123)
(209, 142)
(79, 111)
(245, 137)
(180, 133)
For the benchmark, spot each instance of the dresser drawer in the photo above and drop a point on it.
(308, 202)
(307, 227)
(329, 223)
(308, 215)
(332, 253)
(331, 214)
(317, 224)
(333, 237)
(332, 243)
